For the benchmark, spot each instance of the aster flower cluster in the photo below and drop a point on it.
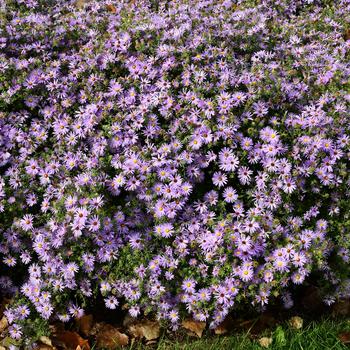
(180, 159)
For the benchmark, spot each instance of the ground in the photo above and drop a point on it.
(323, 334)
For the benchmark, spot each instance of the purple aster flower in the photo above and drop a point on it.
(246, 273)
(230, 195)
(15, 331)
(189, 285)
(219, 179)
(111, 303)
(27, 222)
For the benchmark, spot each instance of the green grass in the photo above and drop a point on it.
(315, 335)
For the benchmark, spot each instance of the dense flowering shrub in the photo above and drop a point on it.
(179, 158)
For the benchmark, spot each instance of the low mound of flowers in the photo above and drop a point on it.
(175, 158)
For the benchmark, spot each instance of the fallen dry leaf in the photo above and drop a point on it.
(225, 326)
(3, 304)
(111, 8)
(265, 321)
(151, 342)
(296, 322)
(145, 329)
(125, 306)
(71, 340)
(85, 324)
(45, 340)
(341, 308)
(56, 327)
(244, 324)
(265, 342)
(347, 35)
(2, 348)
(256, 326)
(3, 324)
(44, 347)
(344, 337)
(109, 338)
(96, 328)
(128, 320)
(195, 327)
(79, 4)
